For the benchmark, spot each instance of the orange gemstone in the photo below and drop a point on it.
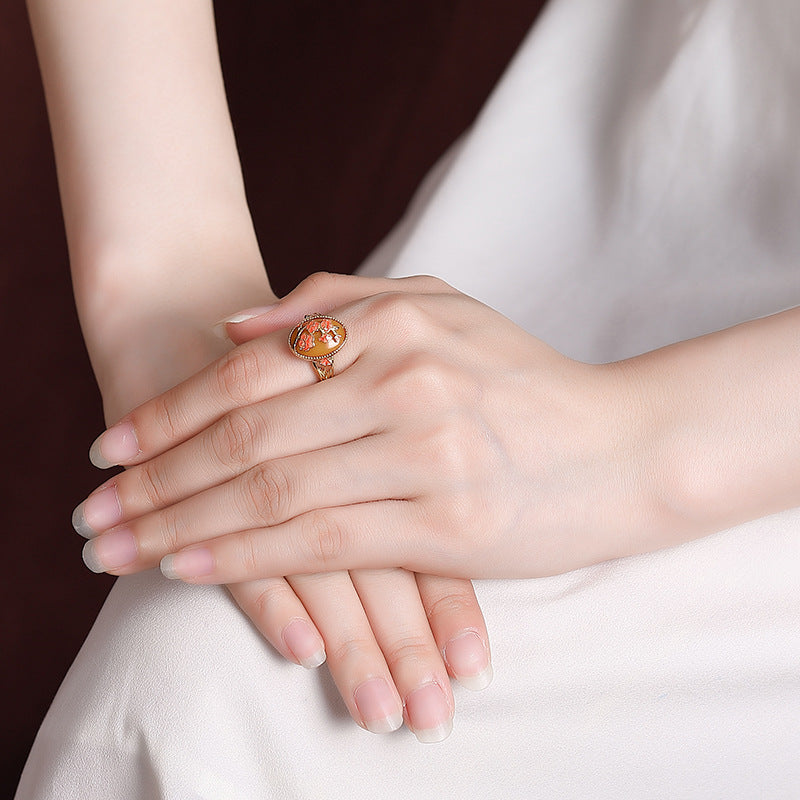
(317, 337)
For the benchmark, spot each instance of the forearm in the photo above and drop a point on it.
(154, 205)
(723, 412)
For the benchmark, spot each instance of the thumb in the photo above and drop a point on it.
(250, 323)
(320, 293)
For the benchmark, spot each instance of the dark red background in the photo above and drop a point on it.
(339, 109)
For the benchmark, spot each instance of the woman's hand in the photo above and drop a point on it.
(450, 441)
(390, 660)
(390, 638)
(161, 243)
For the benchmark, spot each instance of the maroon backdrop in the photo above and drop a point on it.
(339, 109)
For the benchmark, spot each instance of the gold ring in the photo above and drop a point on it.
(316, 339)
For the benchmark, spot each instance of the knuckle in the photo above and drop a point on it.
(318, 284)
(169, 528)
(400, 313)
(456, 521)
(453, 605)
(266, 494)
(166, 418)
(352, 649)
(452, 445)
(239, 374)
(247, 557)
(411, 649)
(460, 515)
(153, 484)
(325, 539)
(232, 439)
(419, 380)
(429, 378)
(271, 596)
(451, 532)
(434, 285)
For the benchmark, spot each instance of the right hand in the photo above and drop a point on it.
(391, 638)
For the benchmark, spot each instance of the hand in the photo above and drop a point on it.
(177, 247)
(387, 659)
(450, 441)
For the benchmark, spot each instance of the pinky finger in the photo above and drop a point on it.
(325, 540)
(459, 628)
(282, 620)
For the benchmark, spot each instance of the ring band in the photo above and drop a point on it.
(316, 339)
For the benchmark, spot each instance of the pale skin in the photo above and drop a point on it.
(161, 248)
(460, 445)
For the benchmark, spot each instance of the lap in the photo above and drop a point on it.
(663, 675)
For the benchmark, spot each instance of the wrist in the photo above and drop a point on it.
(721, 414)
(634, 483)
(149, 360)
(147, 329)
(197, 269)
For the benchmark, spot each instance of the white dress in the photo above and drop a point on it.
(634, 180)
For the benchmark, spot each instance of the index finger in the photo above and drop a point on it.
(253, 372)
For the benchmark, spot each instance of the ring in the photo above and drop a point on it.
(316, 339)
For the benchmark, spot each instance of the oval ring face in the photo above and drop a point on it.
(317, 337)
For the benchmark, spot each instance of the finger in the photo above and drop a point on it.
(265, 496)
(255, 371)
(276, 611)
(355, 660)
(246, 375)
(397, 324)
(320, 293)
(459, 628)
(289, 424)
(404, 635)
(348, 537)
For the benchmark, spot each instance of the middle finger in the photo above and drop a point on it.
(267, 495)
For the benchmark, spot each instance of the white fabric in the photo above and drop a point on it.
(634, 180)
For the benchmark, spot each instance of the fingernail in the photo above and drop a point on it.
(110, 551)
(100, 511)
(249, 313)
(467, 656)
(241, 316)
(193, 563)
(377, 704)
(115, 446)
(304, 643)
(429, 714)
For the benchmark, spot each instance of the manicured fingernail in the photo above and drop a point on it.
(115, 446)
(249, 313)
(241, 316)
(377, 704)
(194, 563)
(110, 551)
(304, 643)
(429, 714)
(98, 512)
(467, 656)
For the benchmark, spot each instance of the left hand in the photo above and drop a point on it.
(450, 442)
